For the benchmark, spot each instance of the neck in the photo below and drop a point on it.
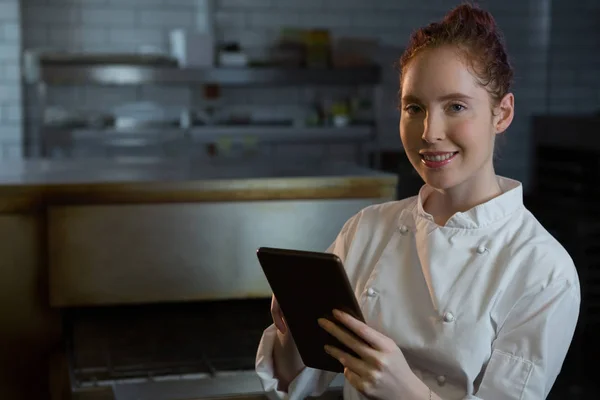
(443, 204)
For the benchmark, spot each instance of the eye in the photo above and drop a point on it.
(412, 109)
(456, 107)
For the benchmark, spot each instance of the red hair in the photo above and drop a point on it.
(475, 33)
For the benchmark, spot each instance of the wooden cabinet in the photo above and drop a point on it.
(29, 330)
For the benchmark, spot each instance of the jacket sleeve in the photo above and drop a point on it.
(532, 344)
(310, 382)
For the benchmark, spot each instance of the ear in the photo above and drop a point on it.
(504, 113)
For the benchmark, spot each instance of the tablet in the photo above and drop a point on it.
(309, 286)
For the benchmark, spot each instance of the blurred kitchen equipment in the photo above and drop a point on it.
(205, 22)
(192, 49)
(60, 117)
(318, 48)
(340, 112)
(145, 115)
(40, 140)
(290, 49)
(231, 55)
(195, 48)
(48, 58)
(34, 60)
(353, 52)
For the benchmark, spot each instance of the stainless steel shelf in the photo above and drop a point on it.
(121, 75)
(211, 134)
(283, 135)
(41, 75)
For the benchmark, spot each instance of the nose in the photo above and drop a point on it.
(433, 129)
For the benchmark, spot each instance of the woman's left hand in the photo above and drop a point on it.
(381, 372)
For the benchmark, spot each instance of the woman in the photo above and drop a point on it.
(465, 294)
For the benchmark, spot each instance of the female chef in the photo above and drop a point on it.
(465, 294)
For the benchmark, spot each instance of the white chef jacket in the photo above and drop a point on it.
(484, 307)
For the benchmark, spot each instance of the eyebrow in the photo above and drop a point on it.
(450, 96)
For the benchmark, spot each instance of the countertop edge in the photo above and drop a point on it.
(35, 196)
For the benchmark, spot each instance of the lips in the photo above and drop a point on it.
(436, 160)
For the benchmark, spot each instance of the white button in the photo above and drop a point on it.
(403, 229)
(441, 380)
(448, 317)
(481, 249)
(370, 292)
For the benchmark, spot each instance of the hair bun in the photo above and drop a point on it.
(472, 17)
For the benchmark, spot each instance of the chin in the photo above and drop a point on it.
(440, 180)
(439, 184)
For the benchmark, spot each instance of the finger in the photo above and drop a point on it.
(277, 316)
(280, 323)
(376, 339)
(357, 382)
(361, 348)
(348, 361)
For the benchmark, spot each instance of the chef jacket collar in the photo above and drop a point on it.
(479, 216)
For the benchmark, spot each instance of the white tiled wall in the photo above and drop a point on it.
(126, 25)
(10, 90)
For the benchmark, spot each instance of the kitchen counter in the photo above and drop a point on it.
(103, 233)
(234, 386)
(30, 184)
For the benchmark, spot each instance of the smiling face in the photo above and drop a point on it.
(447, 126)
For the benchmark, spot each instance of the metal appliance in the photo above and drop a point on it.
(168, 301)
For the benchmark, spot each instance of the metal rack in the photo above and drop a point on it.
(171, 75)
(564, 198)
(167, 351)
(166, 340)
(43, 75)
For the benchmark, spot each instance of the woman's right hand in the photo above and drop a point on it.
(277, 315)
